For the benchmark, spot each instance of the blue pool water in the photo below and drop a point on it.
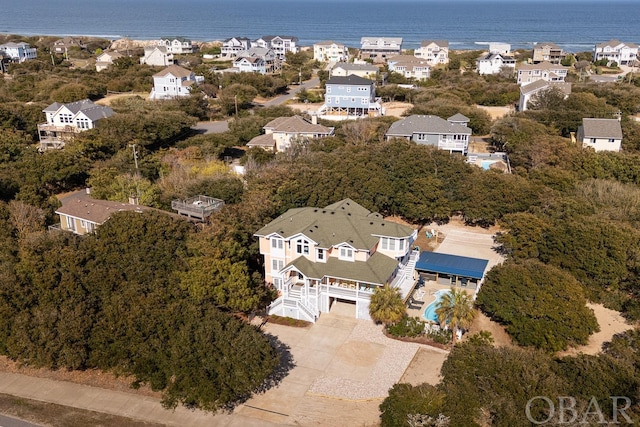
(430, 311)
(486, 164)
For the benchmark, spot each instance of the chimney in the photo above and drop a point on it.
(314, 119)
(88, 190)
(133, 200)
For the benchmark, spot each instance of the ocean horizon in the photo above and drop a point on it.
(466, 24)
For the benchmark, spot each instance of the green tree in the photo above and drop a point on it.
(456, 310)
(540, 305)
(405, 400)
(386, 305)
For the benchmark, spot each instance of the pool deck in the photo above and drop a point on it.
(430, 288)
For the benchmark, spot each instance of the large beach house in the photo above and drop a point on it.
(342, 252)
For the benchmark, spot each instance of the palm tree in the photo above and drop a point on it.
(386, 305)
(456, 309)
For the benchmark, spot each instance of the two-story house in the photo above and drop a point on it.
(18, 52)
(231, 47)
(65, 120)
(600, 134)
(548, 52)
(410, 67)
(616, 51)
(269, 62)
(379, 49)
(433, 51)
(176, 45)
(494, 63)
(530, 90)
(350, 97)
(64, 44)
(105, 60)
(282, 132)
(174, 81)
(316, 256)
(279, 44)
(344, 69)
(529, 73)
(330, 51)
(158, 56)
(451, 135)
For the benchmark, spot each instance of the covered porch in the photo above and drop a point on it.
(451, 270)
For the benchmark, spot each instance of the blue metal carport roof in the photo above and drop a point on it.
(452, 264)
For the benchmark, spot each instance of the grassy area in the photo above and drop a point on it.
(51, 414)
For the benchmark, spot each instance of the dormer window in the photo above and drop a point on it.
(302, 247)
(277, 243)
(320, 254)
(388, 244)
(346, 254)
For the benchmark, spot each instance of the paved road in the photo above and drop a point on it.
(15, 422)
(293, 90)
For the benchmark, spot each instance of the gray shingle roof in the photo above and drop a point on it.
(94, 210)
(356, 67)
(602, 128)
(425, 124)
(296, 124)
(264, 140)
(92, 111)
(376, 270)
(440, 43)
(174, 70)
(346, 222)
(349, 80)
(533, 87)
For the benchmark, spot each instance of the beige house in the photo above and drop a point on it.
(283, 132)
(158, 56)
(342, 252)
(529, 73)
(410, 67)
(106, 59)
(548, 52)
(600, 134)
(330, 51)
(433, 51)
(364, 70)
(81, 214)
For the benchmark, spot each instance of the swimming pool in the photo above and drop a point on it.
(486, 164)
(430, 311)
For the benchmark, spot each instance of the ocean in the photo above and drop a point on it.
(466, 24)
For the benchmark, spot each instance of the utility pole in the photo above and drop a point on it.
(135, 155)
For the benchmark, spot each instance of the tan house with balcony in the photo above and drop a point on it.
(548, 52)
(64, 121)
(433, 51)
(529, 73)
(282, 132)
(342, 252)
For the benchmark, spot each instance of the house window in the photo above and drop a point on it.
(612, 140)
(401, 244)
(364, 101)
(348, 89)
(593, 140)
(277, 243)
(276, 265)
(83, 224)
(320, 254)
(302, 247)
(71, 223)
(392, 244)
(346, 254)
(421, 137)
(328, 89)
(353, 100)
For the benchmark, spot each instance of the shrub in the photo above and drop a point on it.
(407, 327)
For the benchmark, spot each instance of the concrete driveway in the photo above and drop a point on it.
(343, 369)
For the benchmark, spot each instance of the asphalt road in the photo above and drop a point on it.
(15, 422)
(223, 125)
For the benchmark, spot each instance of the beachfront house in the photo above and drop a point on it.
(105, 60)
(548, 52)
(379, 49)
(64, 121)
(330, 51)
(530, 90)
(433, 51)
(450, 135)
(231, 47)
(616, 51)
(529, 73)
(174, 81)
(280, 45)
(282, 132)
(600, 134)
(495, 63)
(342, 252)
(365, 70)
(350, 97)
(65, 44)
(410, 67)
(259, 60)
(158, 56)
(176, 45)
(18, 52)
